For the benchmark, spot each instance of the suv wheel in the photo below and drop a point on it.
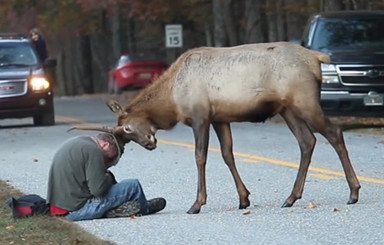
(46, 119)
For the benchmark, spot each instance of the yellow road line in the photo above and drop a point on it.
(324, 176)
(246, 157)
(72, 120)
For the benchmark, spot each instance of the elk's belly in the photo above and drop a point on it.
(242, 112)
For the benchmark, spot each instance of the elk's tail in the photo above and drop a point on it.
(322, 57)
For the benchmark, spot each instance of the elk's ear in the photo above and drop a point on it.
(115, 107)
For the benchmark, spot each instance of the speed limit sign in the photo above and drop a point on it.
(173, 36)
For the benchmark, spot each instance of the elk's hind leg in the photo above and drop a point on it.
(223, 132)
(307, 142)
(334, 135)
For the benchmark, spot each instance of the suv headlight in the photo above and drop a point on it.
(329, 73)
(39, 83)
(330, 79)
(328, 67)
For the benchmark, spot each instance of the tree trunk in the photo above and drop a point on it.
(218, 22)
(83, 64)
(296, 18)
(230, 25)
(131, 36)
(208, 35)
(333, 5)
(116, 34)
(281, 23)
(101, 61)
(68, 69)
(272, 23)
(255, 22)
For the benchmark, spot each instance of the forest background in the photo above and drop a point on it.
(87, 36)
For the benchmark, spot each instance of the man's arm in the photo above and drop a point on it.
(99, 181)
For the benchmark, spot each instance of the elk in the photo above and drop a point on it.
(219, 85)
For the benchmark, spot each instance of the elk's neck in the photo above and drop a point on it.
(156, 103)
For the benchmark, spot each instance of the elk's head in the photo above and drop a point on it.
(130, 126)
(133, 126)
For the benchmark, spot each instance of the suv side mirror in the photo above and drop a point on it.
(50, 62)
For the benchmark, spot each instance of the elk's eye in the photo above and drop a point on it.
(127, 129)
(151, 137)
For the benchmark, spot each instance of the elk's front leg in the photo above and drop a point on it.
(223, 131)
(201, 133)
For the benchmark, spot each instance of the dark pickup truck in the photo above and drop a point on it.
(353, 84)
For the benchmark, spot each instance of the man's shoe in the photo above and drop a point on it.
(155, 205)
(126, 209)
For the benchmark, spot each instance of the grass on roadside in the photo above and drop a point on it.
(39, 229)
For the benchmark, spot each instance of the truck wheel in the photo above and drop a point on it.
(46, 119)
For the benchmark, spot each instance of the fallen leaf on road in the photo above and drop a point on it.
(312, 205)
(246, 212)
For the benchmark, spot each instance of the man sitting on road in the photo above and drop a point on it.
(80, 186)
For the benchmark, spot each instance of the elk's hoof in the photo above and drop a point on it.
(193, 210)
(243, 206)
(352, 201)
(287, 205)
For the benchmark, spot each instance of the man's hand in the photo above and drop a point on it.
(112, 176)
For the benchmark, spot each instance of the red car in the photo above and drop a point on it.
(134, 71)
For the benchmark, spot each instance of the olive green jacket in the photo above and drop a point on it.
(77, 173)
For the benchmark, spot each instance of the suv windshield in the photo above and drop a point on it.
(349, 34)
(17, 54)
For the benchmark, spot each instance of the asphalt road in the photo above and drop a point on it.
(267, 156)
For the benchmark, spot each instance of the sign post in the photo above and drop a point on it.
(173, 36)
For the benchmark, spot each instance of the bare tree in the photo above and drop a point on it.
(255, 21)
(218, 22)
(229, 20)
(296, 17)
(277, 28)
(281, 22)
(333, 5)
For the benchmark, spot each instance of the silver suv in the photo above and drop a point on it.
(25, 87)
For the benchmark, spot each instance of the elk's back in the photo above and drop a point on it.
(244, 83)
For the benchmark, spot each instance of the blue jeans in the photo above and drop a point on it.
(121, 192)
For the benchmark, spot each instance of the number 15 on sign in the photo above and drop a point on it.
(173, 36)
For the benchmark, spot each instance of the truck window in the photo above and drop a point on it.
(349, 34)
